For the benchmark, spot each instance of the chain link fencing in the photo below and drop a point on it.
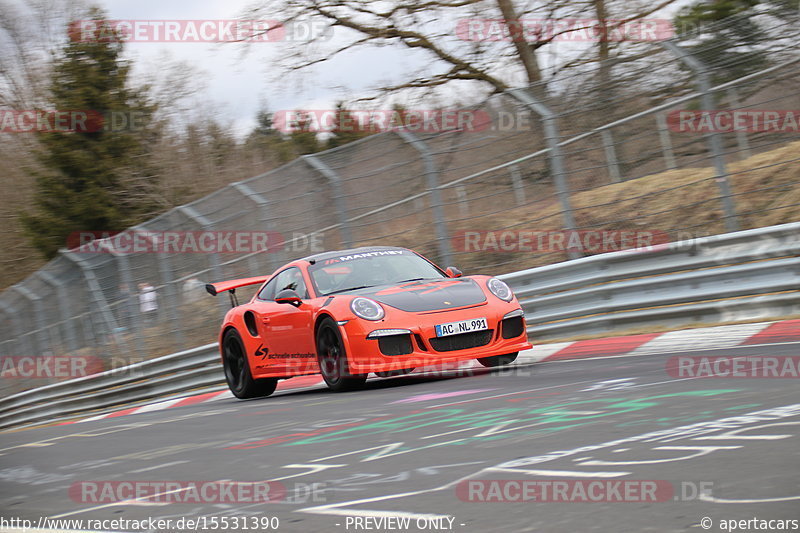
(601, 157)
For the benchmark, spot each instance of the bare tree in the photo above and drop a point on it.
(31, 33)
(491, 63)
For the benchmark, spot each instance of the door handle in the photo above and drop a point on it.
(265, 320)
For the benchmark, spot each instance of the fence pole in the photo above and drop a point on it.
(338, 196)
(516, 183)
(133, 320)
(167, 280)
(213, 260)
(463, 201)
(741, 134)
(38, 317)
(666, 142)
(56, 333)
(556, 157)
(11, 311)
(432, 177)
(263, 212)
(714, 140)
(63, 308)
(96, 293)
(611, 155)
(192, 214)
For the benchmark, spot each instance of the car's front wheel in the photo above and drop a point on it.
(332, 358)
(237, 370)
(498, 360)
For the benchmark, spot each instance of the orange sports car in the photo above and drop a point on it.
(347, 313)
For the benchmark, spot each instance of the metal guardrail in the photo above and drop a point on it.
(170, 374)
(735, 276)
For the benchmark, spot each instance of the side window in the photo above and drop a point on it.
(268, 292)
(291, 278)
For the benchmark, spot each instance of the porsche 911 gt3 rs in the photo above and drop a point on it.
(348, 313)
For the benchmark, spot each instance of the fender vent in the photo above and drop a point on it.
(250, 323)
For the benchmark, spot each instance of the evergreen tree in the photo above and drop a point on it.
(728, 37)
(96, 178)
(303, 137)
(268, 141)
(346, 128)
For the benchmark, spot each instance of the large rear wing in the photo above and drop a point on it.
(231, 285)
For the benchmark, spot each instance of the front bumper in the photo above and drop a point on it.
(422, 347)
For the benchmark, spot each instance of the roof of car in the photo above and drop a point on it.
(350, 251)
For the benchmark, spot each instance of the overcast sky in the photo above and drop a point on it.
(240, 84)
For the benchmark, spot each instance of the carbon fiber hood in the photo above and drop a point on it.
(421, 296)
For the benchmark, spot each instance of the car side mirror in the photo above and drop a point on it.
(453, 272)
(288, 296)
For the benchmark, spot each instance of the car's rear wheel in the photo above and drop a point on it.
(237, 370)
(498, 360)
(332, 358)
(394, 373)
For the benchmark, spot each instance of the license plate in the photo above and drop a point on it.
(463, 326)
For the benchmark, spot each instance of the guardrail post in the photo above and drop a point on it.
(263, 210)
(96, 293)
(432, 177)
(516, 184)
(714, 141)
(666, 141)
(611, 155)
(338, 196)
(556, 157)
(38, 317)
(63, 309)
(741, 135)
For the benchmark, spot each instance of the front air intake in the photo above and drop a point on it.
(395, 344)
(462, 341)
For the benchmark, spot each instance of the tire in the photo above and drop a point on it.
(237, 370)
(394, 373)
(332, 358)
(498, 360)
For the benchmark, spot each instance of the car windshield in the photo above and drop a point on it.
(369, 269)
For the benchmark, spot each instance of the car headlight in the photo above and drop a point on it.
(367, 309)
(500, 289)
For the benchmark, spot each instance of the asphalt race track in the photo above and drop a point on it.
(409, 448)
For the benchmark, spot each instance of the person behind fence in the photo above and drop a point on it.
(148, 302)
